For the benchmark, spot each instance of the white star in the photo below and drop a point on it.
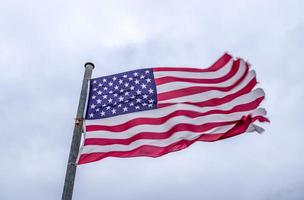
(125, 76)
(91, 115)
(142, 77)
(137, 107)
(114, 78)
(105, 88)
(116, 87)
(110, 100)
(145, 96)
(99, 84)
(131, 104)
(151, 100)
(120, 81)
(138, 100)
(121, 98)
(97, 109)
(148, 80)
(102, 113)
(126, 93)
(125, 109)
(110, 84)
(93, 97)
(143, 86)
(115, 95)
(94, 81)
(143, 104)
(132, 87)
(130, 78)
(99, 92)
(104, 105)
(132, 97)
(138, 91)
(150, 105)
(126, 84)
(108, 107)
(119, 105)
(135, 74)
(104, 96)
(121, 91)
(98, 100)
(136, 81)
(111, 91)
(147, 71)
(104, 80)
(93, 106)
(94, 89)
(151, 91)
(113, 111)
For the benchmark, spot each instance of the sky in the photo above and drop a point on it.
(44, 45)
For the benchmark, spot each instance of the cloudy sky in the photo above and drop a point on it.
(44, 45)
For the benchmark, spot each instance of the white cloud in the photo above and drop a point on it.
(45, 44)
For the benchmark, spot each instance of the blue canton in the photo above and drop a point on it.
(121, 93)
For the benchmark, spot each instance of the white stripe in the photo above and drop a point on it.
(181, 85)
(183, 135)
(218, 129)
(204, 96)
(254, 128)
(203, 75)
(170, 123)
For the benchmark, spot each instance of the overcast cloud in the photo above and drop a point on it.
(44, 45)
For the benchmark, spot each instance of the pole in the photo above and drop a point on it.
(71, 167)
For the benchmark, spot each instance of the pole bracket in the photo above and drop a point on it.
(78, 120)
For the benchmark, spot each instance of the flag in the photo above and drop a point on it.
(154, 111)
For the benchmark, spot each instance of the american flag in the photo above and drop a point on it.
(155, 111)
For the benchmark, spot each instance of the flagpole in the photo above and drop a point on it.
(71, 166)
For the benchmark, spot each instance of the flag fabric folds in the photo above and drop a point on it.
(155, 111)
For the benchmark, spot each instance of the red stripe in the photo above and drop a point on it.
(169, 79)
(158, 121)
(261, 119)
(221, 62)
(198, 89)
(153, 151)
(218, 101)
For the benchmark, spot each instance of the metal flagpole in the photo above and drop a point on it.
(71, 167)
